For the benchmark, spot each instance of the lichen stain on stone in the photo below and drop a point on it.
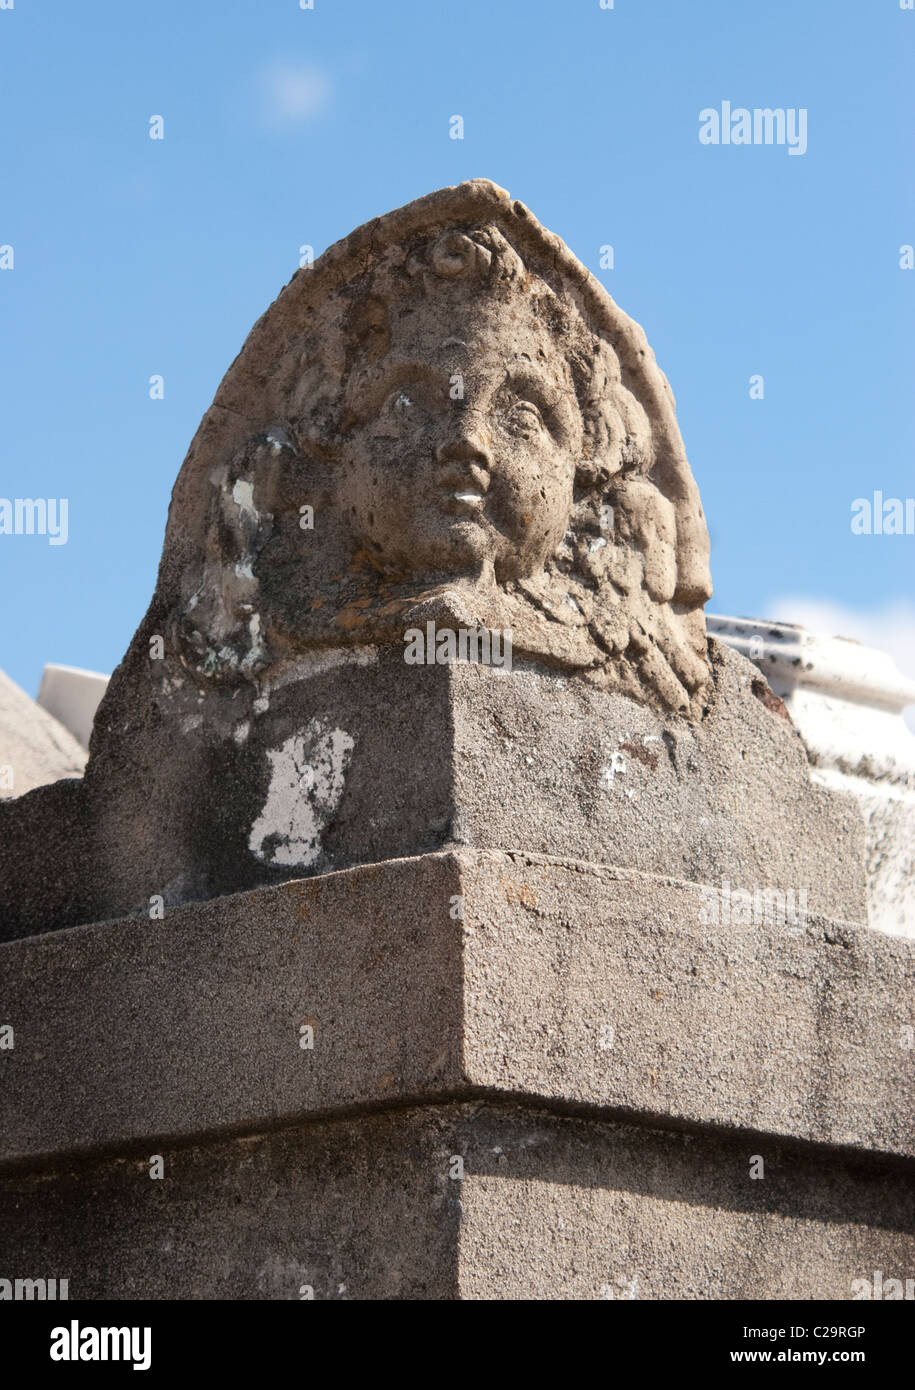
(768, 697)
(642, 754)
(519, 893)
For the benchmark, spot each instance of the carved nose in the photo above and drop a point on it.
(467, 448)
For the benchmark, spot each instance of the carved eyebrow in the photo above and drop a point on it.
(532, 383)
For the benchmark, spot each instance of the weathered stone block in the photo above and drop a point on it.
(465, 1201)
(138, 1031)
(362, 760)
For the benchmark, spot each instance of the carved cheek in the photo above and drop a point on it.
(387, 461)
(553, 473)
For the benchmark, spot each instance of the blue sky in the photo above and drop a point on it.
(135, 257)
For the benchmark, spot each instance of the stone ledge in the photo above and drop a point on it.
(137, 1029)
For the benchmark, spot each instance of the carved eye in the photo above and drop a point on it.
(525, 418)
(407, 403)
(405, 408)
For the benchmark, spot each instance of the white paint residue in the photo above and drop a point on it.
(258, 651)
(243, 496)
(616, 766)
(307, 777)
(279, 439)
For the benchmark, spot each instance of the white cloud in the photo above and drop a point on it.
(891, 627)
(293, 93)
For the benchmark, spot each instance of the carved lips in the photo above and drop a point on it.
(462, 490)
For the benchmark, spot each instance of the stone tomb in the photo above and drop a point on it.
(341, 975)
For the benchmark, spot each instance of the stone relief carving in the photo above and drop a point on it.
(444, 417)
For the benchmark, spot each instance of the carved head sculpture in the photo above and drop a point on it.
(444, 415)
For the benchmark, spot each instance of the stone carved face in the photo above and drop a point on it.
(482, 434)
(462, 459)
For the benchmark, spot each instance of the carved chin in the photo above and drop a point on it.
(453, 546)
(466, 552)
